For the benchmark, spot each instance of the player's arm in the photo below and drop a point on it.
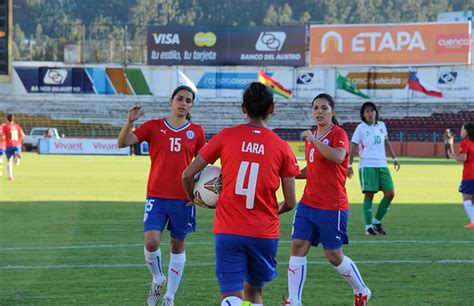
(289, 195)
(458, 157)
(127, 137)
(187, 178)
(352, 153)
(388, 147)
(301, 176)
(335, 155)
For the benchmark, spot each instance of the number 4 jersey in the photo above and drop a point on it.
(171, 151)
(253, 159)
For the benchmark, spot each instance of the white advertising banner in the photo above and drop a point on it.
(81, 146)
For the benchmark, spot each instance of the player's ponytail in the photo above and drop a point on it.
(257, 100)
(469, 127)
(331, 102)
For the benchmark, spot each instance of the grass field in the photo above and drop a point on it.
(71, 233)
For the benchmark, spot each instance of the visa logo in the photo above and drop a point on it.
(166, 39)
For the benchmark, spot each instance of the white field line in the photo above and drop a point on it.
(205, 264)
(100, 246)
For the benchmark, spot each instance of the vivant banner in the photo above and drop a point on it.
(81, 146)
(391, 44)
(220, 46)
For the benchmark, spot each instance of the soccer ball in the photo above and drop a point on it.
(209, 184)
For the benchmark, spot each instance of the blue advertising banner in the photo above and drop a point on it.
(227, 80)
(55, 80)
(220, 46)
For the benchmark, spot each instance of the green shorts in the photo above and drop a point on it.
(375, 179)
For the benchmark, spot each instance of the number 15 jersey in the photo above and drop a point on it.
(171, 151)
(253, 160)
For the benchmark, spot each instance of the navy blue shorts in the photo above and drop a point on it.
(242, 258)
(181, 220)
(467, 187)
(12, 151)
(327, 227)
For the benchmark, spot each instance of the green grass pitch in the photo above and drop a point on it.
(71, 233)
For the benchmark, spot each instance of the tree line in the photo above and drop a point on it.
(115, 31)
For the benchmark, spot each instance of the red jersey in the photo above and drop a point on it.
(13, 134)
(171, 151)
(253, 160)
(2, 138)
(467, 147)
(325, 180)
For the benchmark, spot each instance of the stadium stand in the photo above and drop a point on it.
(103, 116)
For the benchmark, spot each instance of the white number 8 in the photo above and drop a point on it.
(252, 185)
(311, 155)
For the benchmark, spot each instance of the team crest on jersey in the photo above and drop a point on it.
(190, 134)
(326, 141)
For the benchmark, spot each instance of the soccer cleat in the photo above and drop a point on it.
(10, 178)
(289, 303)
(362, 299)
(155, 293)
(370, 232)
(167, 302)
(17, 159)
(470, 225)
(379, 229)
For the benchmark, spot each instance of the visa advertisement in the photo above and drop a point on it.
(391, 44)
(221, 46)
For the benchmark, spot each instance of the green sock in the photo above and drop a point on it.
(383, 208)
(368, 211)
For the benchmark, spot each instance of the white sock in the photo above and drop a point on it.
(10, 168)
(175, 273)
(469, 210)
(253, 304)
(296, 278)
(375, 221)
(351, 274)
(231, 301)
(153, 260)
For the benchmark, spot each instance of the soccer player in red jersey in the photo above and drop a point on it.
(2, 148)
(173, 142)
(246, 225)
(13, 135)
(322, 213)
(466, 156)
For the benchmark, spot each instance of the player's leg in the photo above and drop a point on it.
(154, 223)
(467, 201)
(333, 235)
(17, 156)
(386, 184)
(231, 268)
(182, 220)
(253, 294)
(303, 233)
(369, 184)
(9, 152)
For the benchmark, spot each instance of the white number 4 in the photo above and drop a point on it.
(252, 185)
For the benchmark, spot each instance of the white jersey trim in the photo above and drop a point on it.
(185, 126)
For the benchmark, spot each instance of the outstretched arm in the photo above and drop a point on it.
(127, 137)
(458, 157)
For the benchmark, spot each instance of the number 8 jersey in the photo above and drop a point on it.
(171, 151)
(253, 159)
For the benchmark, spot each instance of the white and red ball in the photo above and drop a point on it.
(209, 184)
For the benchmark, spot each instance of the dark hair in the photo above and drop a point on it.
(258, 99)
(331, 102)
(10, 117)
(469, 127)
(181, 87)
(371, 105)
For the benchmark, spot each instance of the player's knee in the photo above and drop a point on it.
(152, 245)
(389, 194)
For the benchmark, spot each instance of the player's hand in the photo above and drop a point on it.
(350, 172)
(396, 164)
(452, 155)
(135, 113)
(307, 135)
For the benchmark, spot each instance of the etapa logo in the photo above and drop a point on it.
(447, 78)
(166, 38)
(190, 134)
(55, 76)
(329, 38)
(270, 41)
(305, 78)
(205, 39)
